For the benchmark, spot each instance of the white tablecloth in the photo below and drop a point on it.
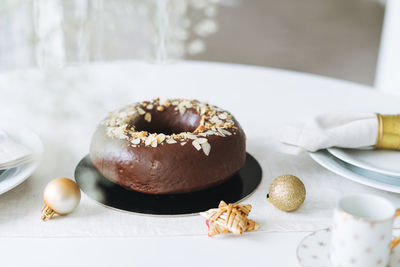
(64, 106)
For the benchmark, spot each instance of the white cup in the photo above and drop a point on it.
(362, 231)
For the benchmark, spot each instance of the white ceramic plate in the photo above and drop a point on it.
(356, 174)
(313, 251)
(10, 178)
(382, 161)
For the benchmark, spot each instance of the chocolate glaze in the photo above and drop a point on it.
(168, 168)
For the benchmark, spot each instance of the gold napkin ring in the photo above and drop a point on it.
(388, 132)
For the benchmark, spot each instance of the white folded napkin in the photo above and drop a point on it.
(346, 130)
(11, 152)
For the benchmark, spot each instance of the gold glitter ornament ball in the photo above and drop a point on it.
(287, 192)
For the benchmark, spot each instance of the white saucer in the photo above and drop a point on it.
(313, 251)
(10, 178)
(356, 174)
(382, 161)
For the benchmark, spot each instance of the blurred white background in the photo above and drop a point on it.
(337, 38)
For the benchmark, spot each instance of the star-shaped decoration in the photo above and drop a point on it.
(229, 218)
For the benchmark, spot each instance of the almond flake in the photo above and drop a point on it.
(181, 109)
(119, 133)
(170, 141)
(183, 143)
(149, 107)
(147, 117)
(202, 140)
(203, 110)
(223, 116)
(154, 143)
(140, 111)
(136, 141)
(226, 132)
(215, 119)
(201, 128)
(210, 132)
(150, 140)
(191, 136)
(147, 142)
(142, 134)
(160, 138)
(220, 131)
(206, 148)
(196, 144)
(160, 108)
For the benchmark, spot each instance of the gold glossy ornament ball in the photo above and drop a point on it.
(60, 196)
(287, 192)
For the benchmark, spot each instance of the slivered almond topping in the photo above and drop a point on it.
(196, 144)
(206, 148)
(223, 116)
(171, 141)
(213, 121)
(147, 142)
(202, 140)
(142, 134)
(226, 132)
(160, 138)
(136, 141)
(150, 139)
(199, 129)
(141, 111)
(191, 136)
(181, 109)
(147, 117)
(154, 143)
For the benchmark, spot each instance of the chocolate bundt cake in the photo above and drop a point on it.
(168, 146)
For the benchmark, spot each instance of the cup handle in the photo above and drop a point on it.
(395, 241)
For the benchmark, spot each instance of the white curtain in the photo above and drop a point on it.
(53, 33)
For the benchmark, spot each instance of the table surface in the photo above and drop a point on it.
(286, 96)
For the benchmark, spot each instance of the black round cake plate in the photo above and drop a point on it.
(236, 188)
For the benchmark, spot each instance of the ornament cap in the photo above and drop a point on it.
(47, 213)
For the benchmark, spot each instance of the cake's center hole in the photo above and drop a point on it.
(169, 122)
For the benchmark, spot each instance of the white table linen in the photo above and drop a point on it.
(64, 107)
